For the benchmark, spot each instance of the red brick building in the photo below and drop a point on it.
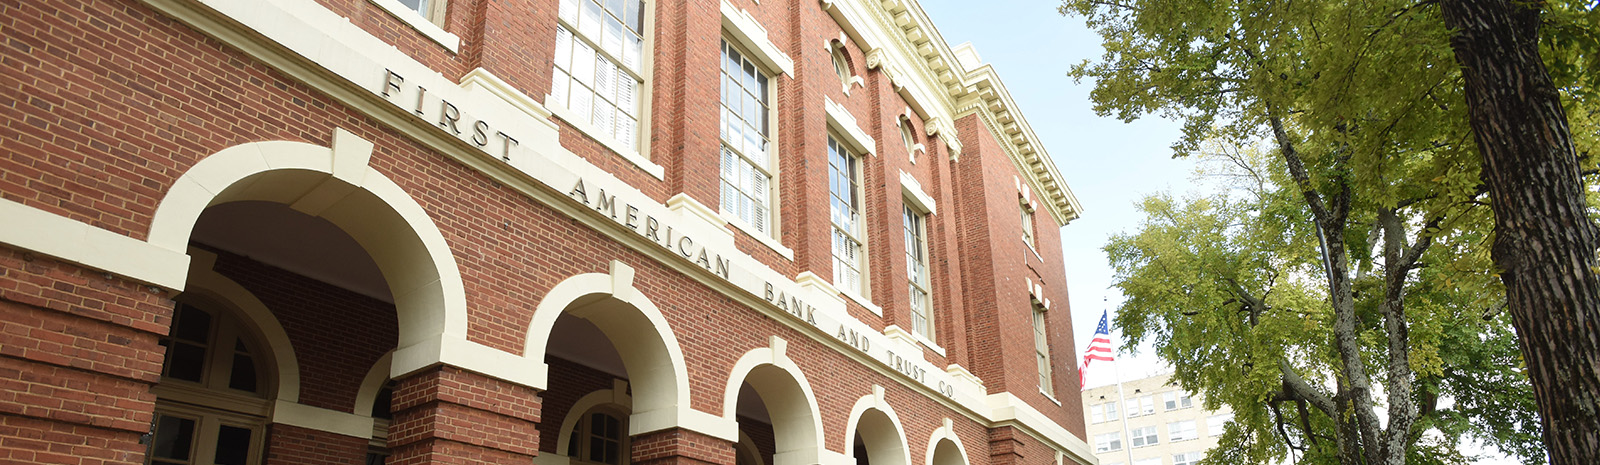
(559, 232)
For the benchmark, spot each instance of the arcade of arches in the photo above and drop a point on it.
(282, 345)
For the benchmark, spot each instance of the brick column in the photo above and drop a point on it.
(680, 447)
(447, 415)
(1005, 446)
(78, 354)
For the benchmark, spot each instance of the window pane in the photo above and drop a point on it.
(559, 82)
(174, 437)
(590, 25)
(569, 11)
(563, 57)
(186, 361)
(192, 324)
(233, 445)
(612, 41)
(635, 17)
(243, 374)
(583, 63)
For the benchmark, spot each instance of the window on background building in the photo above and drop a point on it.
(1143, 405)
(1041, 350)
(1100, 413)
(1217, 424)
(844, 188)
(1187, 458)
(1145, 436)
(1107, 442)
(747, 164)
(1027, 222)
(598, 438)
(432, 10)
(1181, 431)
(1174, 400)
(916, 225)
(1153, 461)
(208, 358)
(599, 67)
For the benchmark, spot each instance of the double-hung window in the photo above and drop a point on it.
(1218, 424)
(1187, 458)
(917, 272)
(599, 71)
(1145, 436)
(1174, 400)
(1103, 412)
(1181, 431)
(1108, 442)
(844, 189)
(747, 165)
(1027, 222)
(1041, 350)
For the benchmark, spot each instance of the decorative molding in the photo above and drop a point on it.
(39, 231)
(849, 130)
(747, 31)
(913, 192)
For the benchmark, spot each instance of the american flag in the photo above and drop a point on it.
(1099, 347)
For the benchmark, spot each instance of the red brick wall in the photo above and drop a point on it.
(293, 445)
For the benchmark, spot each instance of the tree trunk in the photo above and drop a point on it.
(1544, 242)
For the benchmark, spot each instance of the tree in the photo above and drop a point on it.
(1545, 242)
(1375, 235)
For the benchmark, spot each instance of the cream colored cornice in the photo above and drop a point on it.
(904, 44)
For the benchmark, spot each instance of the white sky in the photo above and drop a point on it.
(1109, 165)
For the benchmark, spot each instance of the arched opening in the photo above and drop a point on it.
(877, 440)
(773, 405)
(339, 267)
(947, 452)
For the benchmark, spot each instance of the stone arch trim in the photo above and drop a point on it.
(655, 364)
(945, 435)
(800, 438)
(206, 282)
(896, 434)
(615, 398)
(372, 384)
(337, 184)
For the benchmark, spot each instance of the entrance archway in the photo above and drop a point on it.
(769, 396)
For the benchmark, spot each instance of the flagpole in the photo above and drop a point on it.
(1126, 433)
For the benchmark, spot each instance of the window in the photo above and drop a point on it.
(844, 188)
(1145, 436)
(747, 165)
(1216, 424)
(917, 272)
(1027, 223)
(909, 137)
(1100, 413)
(598, 438)
(1107, 442)
(1181, 431)
(1041, 350)
(432, 10)
(1154, 461)
(599, 66)
(1144, 405)
(1187, 458)
(211, 396)
(841, 66)
(1174, 400)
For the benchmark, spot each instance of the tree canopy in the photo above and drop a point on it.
(1339, 294)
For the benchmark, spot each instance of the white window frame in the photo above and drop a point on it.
(771, 216)
(1041, 350)
(1183, 430)
(1174, 400)
(1104, 412)
(211, 403)
(1188, 458)
(558, 100)
(917, 254)
(1028, 232)
(856, 165)
(1218, 424)
(1144, 436)
(581, 432)
(1108, 442)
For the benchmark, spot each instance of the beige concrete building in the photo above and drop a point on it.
(1153, 423)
